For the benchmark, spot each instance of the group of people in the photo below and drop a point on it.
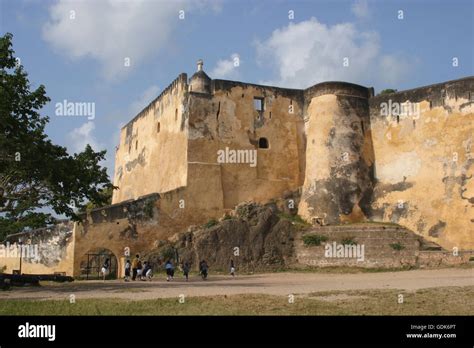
(136, 270)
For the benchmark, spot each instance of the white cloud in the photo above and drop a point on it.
(227, 68)
(111, 31)
(394, 68)
(360, 8)
(310, 52)
(81, 136)
(146, 97)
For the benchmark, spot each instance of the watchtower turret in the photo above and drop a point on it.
(200, 82)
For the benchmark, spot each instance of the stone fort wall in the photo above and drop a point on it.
(424, 162)
(332, 141)
(151, 156)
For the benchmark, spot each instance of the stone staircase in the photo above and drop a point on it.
(371, 245)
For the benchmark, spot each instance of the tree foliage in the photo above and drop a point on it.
(387, 91)
(34, 172)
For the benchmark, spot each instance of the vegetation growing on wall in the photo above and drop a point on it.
(387, 91)
(397, 246)
(314, 239)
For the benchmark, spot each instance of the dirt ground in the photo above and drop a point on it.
(271, 284)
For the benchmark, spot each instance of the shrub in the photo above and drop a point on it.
(397, 246)
(314, 239)
(348, 241)
(167, 252)
(210, 223)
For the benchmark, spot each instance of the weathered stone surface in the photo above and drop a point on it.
(327, 150)
(255, 237)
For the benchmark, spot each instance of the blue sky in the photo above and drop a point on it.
(79, 56)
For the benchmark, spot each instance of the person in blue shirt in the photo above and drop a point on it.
(169, 270)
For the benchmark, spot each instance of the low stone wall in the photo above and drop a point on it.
(428, 259)
(378, 246)
(44, 251)
(384, 246)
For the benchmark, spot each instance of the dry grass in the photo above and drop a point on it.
(434, 301)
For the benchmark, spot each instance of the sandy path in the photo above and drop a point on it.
(274, 284)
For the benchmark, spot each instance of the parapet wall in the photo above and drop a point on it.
(337, 88)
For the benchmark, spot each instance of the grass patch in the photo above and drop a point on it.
(295, 219)
(314, 239)
(432, 301)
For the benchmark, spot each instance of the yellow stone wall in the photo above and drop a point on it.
(151, 156)
(424, 164)
(228, 119)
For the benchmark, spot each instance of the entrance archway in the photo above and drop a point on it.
(91, 264)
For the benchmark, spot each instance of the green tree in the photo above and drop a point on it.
(34, 172)
(106, 199)
(387, 91)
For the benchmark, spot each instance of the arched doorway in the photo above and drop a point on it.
(91, 264)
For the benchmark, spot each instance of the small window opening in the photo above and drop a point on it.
(176, 115)
(258, 104)
(270, 115)
(136, 145)
(263, 143)
(398, 119)
(158, 127)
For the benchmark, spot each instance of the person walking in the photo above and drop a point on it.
(139, 269)
(232, 268)
(128, 266)
(135, 266)
(146, 273)
(105, 268)
(186, 270)
(169, 270)
(203, 269)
